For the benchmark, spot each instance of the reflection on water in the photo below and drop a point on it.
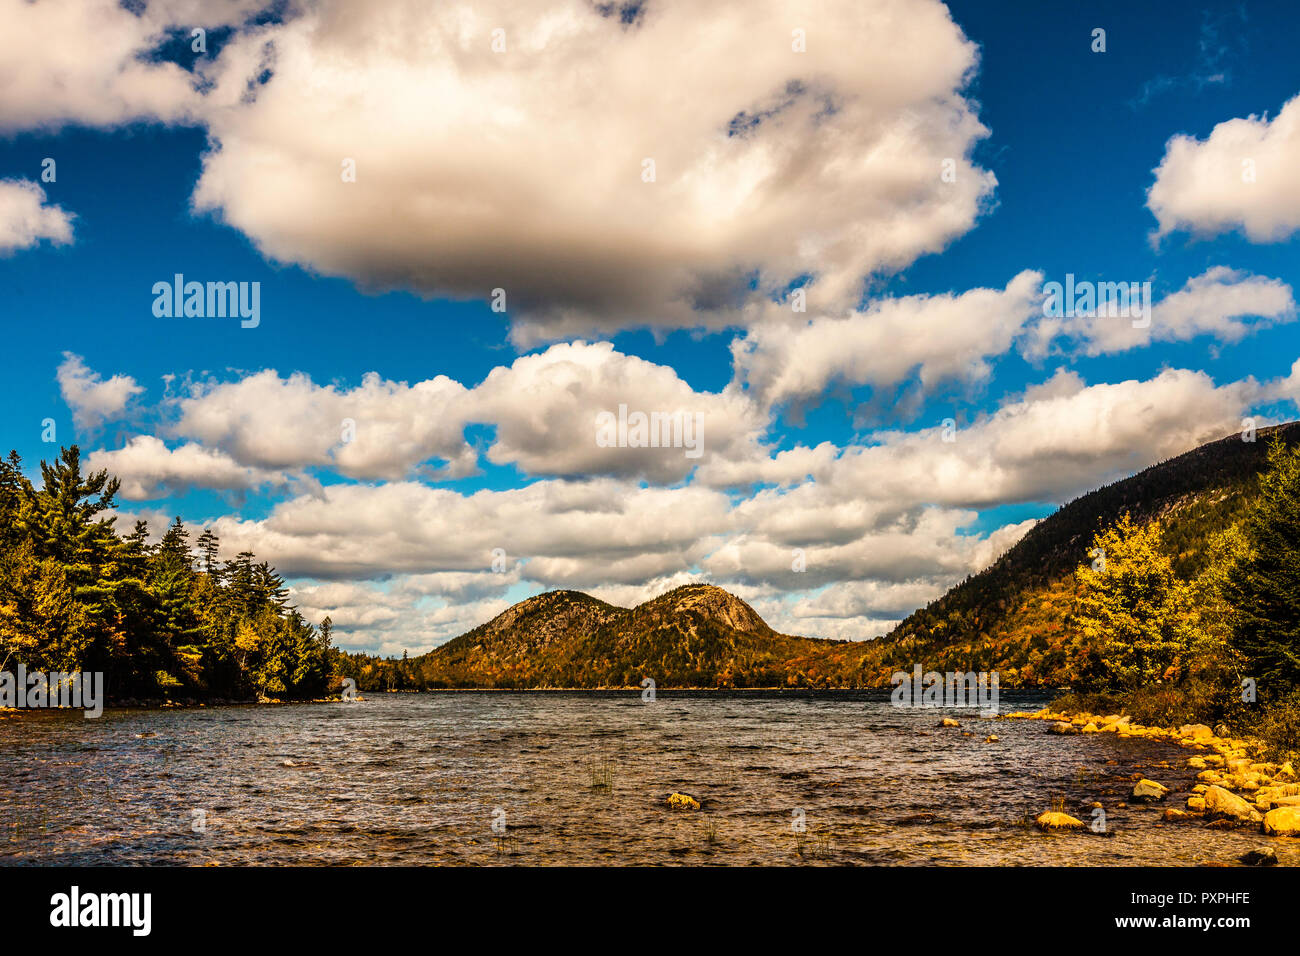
(580, 779)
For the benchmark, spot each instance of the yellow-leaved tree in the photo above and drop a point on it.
(1131, 610)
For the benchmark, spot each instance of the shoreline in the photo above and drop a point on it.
(138, 703)
(1235, 787)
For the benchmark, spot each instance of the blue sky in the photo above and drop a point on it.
(190, 168)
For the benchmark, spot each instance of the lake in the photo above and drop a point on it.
(492, 778)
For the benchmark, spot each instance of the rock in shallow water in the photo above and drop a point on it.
(1221, 804)
(1264, 857)
(1054, 820)
(1146, 790)
(680, 801)
(1282, 821)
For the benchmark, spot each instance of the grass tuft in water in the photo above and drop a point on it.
(601, 775)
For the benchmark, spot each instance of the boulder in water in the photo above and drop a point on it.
(1264, 857)
(1222, 805)
(680, 801)
(1147, 790)
(1055, 820)
(1282, 821)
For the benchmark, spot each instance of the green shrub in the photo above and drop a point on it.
(1279, 726)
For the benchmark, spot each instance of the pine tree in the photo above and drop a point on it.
(67, 522)
(1264, 584)
(176, 543)
(208, 549)
(137, 541)
(269, 586)
(238, 574)
(15, 499)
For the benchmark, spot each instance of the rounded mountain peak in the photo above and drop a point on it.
(711, 601)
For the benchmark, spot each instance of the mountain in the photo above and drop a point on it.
(1009, 618)
(697, 635)
(693, 636)
(522, 646)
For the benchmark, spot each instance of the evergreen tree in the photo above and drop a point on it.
(15, 499)
(137, 541)
(176, 543)
(268, 587)
(208, 548)
(1264, 584)
(238, 574)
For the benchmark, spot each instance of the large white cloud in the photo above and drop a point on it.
(26, 219)
(564, 529)
(1061, 439)
(545, 410)
(380, 429)
(522, 169)
(1242, 176)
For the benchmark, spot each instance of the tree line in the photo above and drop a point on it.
(165, 620)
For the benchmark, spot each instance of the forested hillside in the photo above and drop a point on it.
(169, 620)
(1012, 617)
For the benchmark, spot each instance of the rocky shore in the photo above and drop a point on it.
(1234, 788)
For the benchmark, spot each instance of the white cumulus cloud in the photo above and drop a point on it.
(92, 398)
(525, 167)
(26, 219)
(1242, 176)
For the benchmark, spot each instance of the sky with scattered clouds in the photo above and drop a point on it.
(825, 231)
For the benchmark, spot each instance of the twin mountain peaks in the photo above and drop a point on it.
(1009, 618)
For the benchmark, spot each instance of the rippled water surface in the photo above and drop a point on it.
(580, 779)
